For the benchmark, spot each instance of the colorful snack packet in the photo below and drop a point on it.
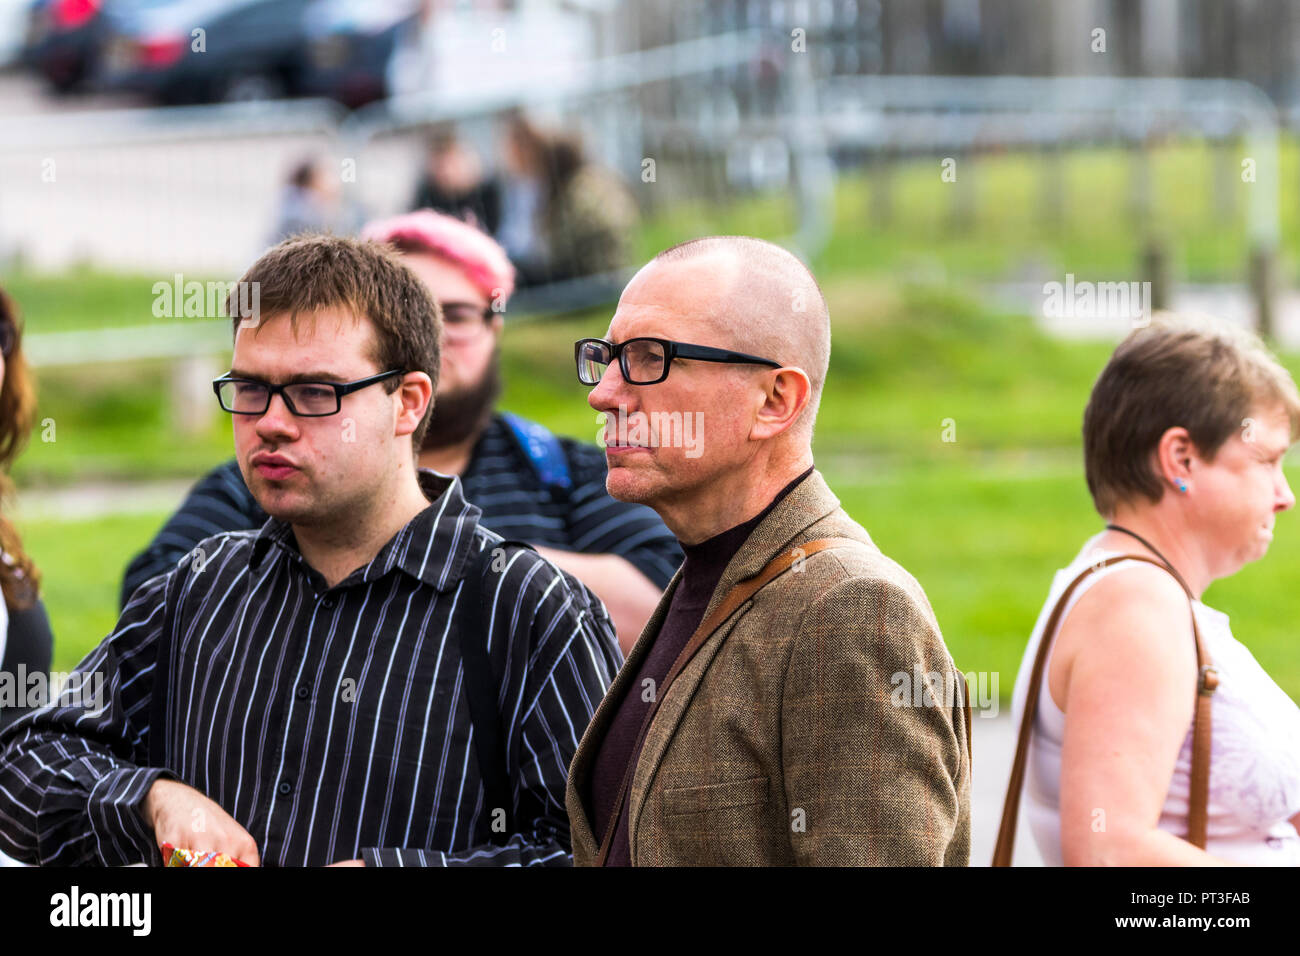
(175, 856)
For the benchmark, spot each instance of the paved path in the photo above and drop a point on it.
(993, 742)
(97, 499)
(1229, 301)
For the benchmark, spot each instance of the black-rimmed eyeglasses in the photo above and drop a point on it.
(248, 396)
(645, 361)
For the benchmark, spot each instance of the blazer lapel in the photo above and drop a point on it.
(807, 504)
(580, 767)
(664, 726)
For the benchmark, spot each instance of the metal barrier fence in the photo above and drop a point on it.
(902, 115)
(193, 190)
(878, 120)
(190, 189)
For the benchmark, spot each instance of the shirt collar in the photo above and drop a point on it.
(430, 547)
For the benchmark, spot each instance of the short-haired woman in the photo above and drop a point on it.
(1184, 437)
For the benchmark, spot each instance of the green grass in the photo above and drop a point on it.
(83, 298)
(114, 423)
(985, 547)
(902, 361)
(81, 566)
(1197, 209)
(982, 521)
(983, 543)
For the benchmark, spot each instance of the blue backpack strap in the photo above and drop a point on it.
(543, 451)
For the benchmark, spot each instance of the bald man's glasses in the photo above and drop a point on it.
(645, 361)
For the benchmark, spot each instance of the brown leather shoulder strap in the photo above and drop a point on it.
(1207, 681)
(742, 592)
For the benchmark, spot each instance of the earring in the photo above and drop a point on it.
(1181, 485)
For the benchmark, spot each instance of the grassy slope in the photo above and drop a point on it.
(982, 522)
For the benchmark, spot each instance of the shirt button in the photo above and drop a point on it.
(285, 788)
(302, 692)
(327, 602)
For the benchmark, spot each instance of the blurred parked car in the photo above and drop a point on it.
(63, 40)
(248, 49)
(14, 18)
(349, 44)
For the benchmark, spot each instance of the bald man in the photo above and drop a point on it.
(791, 700)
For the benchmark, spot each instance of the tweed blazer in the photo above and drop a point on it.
(796, 734)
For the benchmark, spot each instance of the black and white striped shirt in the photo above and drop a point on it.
(498, 479)
(331, 723)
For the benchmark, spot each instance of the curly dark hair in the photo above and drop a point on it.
(19, 578)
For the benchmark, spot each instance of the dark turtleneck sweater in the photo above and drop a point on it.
(621, 746)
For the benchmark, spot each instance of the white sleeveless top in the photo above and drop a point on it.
(1255, 745)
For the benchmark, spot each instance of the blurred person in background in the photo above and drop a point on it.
(412, 67)
(454, 183)
(311, 202)
(530, 484)
(562, 216)
(588, 216)
(523, 189)
(26, 642)
(1184, 437)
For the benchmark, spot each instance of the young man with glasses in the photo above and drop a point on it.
(371, 675)
(757, 721)
(530, 485)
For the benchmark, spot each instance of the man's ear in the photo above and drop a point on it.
(785, 397)
(412, 398)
